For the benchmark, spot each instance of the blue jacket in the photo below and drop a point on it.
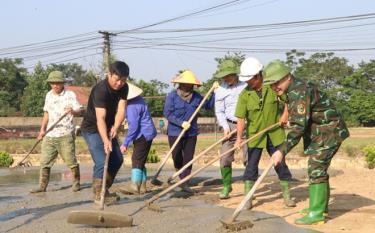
(139, 121)
(177, 110)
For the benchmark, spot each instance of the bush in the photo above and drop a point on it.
(352, 151)
(5, 159)
(152, 157)
(370, 156)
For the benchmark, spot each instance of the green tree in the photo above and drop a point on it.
(75, 74)
(35, 92)
(293, 58)
(12, 84)
(238, 57)
(325, 69)
(154, 92)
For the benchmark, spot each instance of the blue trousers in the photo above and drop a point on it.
(96, 147)
(254, 154)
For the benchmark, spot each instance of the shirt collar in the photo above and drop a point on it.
(61, 94)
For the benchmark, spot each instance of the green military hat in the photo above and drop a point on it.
(275, 71)
(56, 77)
(227, 67)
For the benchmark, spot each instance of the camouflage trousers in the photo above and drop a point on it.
(319, 162)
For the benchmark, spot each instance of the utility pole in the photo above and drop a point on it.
(106, 48)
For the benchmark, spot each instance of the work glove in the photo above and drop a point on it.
(185, 125)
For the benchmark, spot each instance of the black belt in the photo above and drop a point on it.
(233, 122)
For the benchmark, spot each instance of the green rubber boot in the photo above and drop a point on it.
(226, 173)
(325, 214)
(288, 202)
(318, 194)
(247, 187)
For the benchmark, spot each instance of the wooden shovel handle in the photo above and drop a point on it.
(200, 155)
(182, 133)
(39, 140)
(208, 164)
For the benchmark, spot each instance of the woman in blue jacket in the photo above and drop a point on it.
(141, 132)
(179, 106)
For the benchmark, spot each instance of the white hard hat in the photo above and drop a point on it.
(250, 67)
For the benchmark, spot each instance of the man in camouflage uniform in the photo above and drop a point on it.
(313, 116)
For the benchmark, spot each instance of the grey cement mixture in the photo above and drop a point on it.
(47, 212)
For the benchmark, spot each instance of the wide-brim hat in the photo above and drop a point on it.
(133, 91)
(227, 67)
(187, 77)
(56, 77)
(275, 71)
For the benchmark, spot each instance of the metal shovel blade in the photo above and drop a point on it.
(99, 218)
(236, 225)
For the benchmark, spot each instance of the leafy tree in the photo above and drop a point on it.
(35, 92)
(75, 74)
(323, 68)
(238, 57)
(293, 58)
(12, 83)
(154, 92)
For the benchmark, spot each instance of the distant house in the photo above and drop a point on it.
(82, 93)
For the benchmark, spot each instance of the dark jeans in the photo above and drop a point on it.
(183, 153)
(254, 154)
(140, 152)
(96, 147)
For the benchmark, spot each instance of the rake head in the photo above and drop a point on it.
(236, 225)
(153, 207)
(23, 164)
(156, 182)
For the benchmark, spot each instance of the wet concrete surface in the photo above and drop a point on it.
(47, 212)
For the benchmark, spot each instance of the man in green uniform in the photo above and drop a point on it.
(313, 116)
(259, 105)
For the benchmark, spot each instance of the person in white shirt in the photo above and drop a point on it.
(60, 140)
(225, 106)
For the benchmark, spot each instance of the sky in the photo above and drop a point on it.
(25, 22)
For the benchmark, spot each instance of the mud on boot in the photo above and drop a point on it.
(288, 202)
(76, 179)
(43, 180)
(143, 188)
(109, 198)
(136, 179)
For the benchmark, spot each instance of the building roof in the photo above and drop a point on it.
(82, 93)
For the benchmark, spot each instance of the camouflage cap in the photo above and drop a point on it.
(56, 77)
(227, 67)
(275, 71)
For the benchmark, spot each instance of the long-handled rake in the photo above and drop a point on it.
(170, 179)
(231, 223)
(150, 203)
(100, 218)
(24, 163)
(155, 180)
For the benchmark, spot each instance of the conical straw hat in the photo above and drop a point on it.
(134, 91)
(187, 77)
